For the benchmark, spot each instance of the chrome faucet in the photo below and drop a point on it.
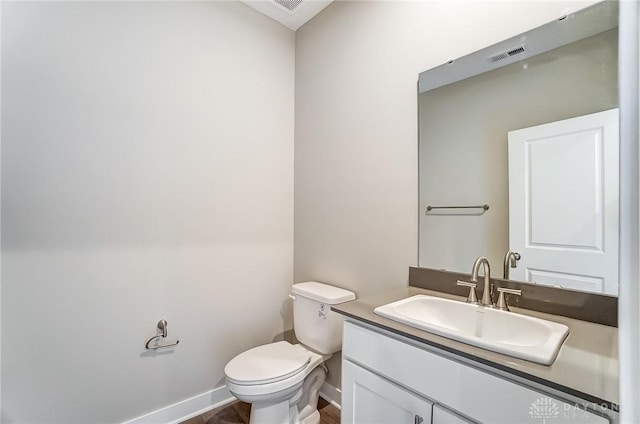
(486, 296)
(510, 258)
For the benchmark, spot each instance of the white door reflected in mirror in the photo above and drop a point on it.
(563, 199)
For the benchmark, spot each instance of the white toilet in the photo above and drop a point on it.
(281, 380)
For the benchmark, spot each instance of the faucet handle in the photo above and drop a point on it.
(502, 301)
(473, 296)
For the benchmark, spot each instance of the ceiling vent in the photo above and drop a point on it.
(506, 54)
(290, 13)
(289, 5)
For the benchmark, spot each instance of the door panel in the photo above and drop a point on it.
(563, 202)
(568, 281)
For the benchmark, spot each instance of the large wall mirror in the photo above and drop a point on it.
(518, 153)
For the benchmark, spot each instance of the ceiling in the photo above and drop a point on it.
(290, 13)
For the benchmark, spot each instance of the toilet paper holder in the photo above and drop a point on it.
(154, 342)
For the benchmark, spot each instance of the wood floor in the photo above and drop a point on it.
(238, 413)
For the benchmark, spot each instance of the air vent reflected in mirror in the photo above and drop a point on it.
(506, 54)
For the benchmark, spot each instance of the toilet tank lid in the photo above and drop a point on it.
(323, 292)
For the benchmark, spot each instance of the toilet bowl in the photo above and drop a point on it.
(281, 380)
(270, 377)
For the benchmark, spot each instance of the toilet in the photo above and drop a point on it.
(281, 380)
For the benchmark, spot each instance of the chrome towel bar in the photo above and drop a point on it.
(484, 207)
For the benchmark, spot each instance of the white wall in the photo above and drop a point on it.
(147, 173)
(356, 167)
(0, 215)
(629, 312)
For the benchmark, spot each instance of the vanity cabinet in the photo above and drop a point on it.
(389, 379)
(376, 400)
(444, 416)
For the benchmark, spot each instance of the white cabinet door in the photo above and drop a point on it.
(370, 399)
(563, 202)
(444, 416)
(464, 388)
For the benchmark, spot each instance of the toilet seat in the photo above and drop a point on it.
(241, 382)
(266, 364)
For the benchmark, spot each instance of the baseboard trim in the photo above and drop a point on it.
(331, 394)
(199, 404)
(188, 408)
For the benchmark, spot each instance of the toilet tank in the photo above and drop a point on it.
(315, 324)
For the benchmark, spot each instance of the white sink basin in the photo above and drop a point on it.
(521, 336)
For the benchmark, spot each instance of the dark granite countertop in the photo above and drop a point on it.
(586, 366)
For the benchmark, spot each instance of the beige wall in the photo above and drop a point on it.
(147, 174)
(356, 166)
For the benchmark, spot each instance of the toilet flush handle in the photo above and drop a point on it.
(292, 297)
